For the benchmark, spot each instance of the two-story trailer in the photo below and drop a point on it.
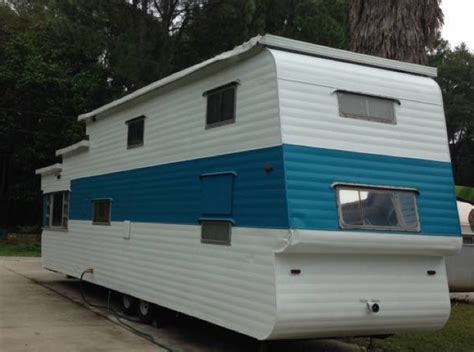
(281, 190)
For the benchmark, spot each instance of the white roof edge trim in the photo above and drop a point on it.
(49, 170)
(76, 147)
(273, 42)
(277, 42)
(238, 50)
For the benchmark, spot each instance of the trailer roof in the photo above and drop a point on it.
(279, 43)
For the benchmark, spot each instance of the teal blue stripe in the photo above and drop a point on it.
(312, 201)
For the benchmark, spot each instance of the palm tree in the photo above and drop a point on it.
(395, 29)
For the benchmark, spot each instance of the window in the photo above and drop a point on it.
(366, 107)
(136, 128)
(56, 210)
(221, 105)
(216, 232)
(373, 208)
(101, 212)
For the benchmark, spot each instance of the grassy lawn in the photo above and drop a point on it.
(457, 335)
(19, 250)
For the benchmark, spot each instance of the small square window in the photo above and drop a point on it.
(221, 105)
(216, 232)
(366, 107)
(136, 128)
(101, 212)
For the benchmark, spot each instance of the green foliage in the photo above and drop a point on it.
(465, 193)
(456, 79)
(19, 250)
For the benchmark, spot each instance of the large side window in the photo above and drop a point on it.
(101, 211)
(366, 107)
(136, 131)
(374, 208)
(56, 210)
(221, 105)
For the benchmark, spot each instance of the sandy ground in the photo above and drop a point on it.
(43, 311)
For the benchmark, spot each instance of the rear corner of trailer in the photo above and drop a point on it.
(370, 199)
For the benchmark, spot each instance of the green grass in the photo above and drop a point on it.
(456, 336)
(19, 250)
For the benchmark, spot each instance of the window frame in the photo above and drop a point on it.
(129, 123)
(392, 121)
(229, 223)
(219, 90)
(64, 211)
(94, 202)
(390, 190)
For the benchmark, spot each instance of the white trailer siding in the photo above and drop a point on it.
(175, 123)
(287, 144)
(310, 115)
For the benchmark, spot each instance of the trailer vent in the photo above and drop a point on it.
(216, 232)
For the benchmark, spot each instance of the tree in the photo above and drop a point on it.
(49, 73)
(395, 29)
(456, 79)
(218, 25)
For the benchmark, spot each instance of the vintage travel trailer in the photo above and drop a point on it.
(281, 189)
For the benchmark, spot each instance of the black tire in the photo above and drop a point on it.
(129, 304)
(146, 311)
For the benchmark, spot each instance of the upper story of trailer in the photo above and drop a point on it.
(269, 91)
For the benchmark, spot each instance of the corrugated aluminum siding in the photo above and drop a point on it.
(173, 193)
(310, 172)
(310, 116)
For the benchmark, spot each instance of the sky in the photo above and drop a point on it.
(458, 22)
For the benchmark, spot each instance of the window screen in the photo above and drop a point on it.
(136, 128)
(221, 105)
(101, 212)
(377, 209)
(56, 209)
(366, 107)
(216, 232)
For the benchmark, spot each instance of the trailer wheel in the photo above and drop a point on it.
(129, 304)
(145, 311)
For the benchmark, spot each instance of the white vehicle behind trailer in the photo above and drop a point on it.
(282, 190)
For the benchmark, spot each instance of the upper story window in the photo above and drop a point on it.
(221, 105)
(56, 210)
(101, 211)
(136, 129)
(377, 209)
(366, 107)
